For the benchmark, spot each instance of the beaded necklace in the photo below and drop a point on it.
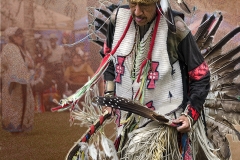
(145, 65)
(140, 52)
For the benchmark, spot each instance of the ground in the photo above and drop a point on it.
(51, 138)
(234, 146)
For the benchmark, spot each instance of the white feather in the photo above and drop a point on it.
(113, 150)
(164, 5)
(108, 147)
(180, 1)
(93, 152)
(105, 146)
(84, 148)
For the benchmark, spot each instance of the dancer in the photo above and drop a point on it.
(17, 97)
(160, 68)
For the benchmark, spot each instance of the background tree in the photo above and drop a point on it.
(29, 27)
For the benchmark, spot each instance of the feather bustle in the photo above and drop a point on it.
(222, 42)
(225, 106)
(222, 59)
(230, 79)
(203, 29)
(209, 38)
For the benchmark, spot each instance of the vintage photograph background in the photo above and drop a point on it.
(71, 22)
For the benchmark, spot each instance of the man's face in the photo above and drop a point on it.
(18, 39)
(142, 13)
(53, 42)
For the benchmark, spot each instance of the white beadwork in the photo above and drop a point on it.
(166, 82)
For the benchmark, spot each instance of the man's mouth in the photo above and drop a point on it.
(138, 19)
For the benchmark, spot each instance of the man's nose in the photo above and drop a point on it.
(138, 10)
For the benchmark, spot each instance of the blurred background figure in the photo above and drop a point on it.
(56, 51)
(40, 52)
(86, 57)
(17, 97)
(78, 73)
(2, 43)
(54, 60)
(80, 49)
(39, 82)
(54, 71)
(67, 57)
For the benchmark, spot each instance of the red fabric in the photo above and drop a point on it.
(106, 49)
(117, 143)
(118, 114)
(150, 105)
(84, 139)
(153, 75)
(199, 72)
(92, 129)
(188, 153)
(101, 119)
(192, 112)
(119, 69)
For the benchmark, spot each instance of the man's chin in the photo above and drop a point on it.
(141, 24)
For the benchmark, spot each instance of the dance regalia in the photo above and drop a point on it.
(139, 71)
(161, 87)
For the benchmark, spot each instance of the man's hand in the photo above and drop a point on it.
(185, 127)
(110, 110)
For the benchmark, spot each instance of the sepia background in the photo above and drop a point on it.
(71, 21)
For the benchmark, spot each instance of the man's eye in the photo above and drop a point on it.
(133, 4)
(143, 4)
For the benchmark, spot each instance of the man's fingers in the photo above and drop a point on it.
(185, 126)
(183, 130)
(110, 110)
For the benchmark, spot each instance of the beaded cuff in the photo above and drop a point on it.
(191, 113)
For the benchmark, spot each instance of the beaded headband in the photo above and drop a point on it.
(144, 1)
